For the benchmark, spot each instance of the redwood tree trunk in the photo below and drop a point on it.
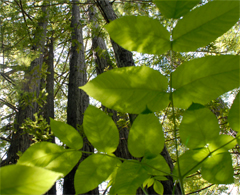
(31, 86)
(77, 99)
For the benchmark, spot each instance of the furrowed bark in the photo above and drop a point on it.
(21, 141)
(77, 99)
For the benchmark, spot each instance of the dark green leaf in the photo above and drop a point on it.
(156, 166)
(145, 136)
(234, 114)
(19, 179)
(128, 89)
(50, 156)
(129, 178)
(140, 33)
(218, 169)
(100, 130)
(204, 24)
(198, 127)
(67, 134)
(175, 8)
(92, 171)
(202, 80)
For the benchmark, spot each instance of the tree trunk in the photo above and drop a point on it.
(124, 58)
(77, 99)
(31, 87)
(49, 107)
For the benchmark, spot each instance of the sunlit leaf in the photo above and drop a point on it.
(199, 126)
(204, 24)
(218, 169)
(94, 169)
(234, 114)
(100, 130)
(222, 143)
(175, 8)
(145, 136)
(67, 134)
(190, 161)
(50, 156)
(204, 79)
(130, 177)
(128, 89)
(19, 179)
(156, 165)
(140, 33)
(158, 187)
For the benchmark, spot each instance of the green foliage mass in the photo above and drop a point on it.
(143, 91)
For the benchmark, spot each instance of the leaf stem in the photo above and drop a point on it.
(174, 122)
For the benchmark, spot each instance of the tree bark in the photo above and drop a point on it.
(49, 107)
(31, 87)
(77, 99)
(124, 58)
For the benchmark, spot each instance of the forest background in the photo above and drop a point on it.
(44, 44)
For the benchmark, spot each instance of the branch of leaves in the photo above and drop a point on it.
(52, 161)
(199, 131)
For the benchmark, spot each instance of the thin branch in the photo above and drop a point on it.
(200, 189)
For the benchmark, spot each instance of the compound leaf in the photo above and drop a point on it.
(94, 169)
(156, 166)
(175, 8)
(218, 169)
(100, 130)
(199, 126)
(130, 89)
(130, 176)
(204, 79)
(50, 156)
(190, 161)
(20, 179)
(67, 134)
(140, 33)
(145, 136)
(158, 187)
(204, 24)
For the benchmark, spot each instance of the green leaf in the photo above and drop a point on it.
(160, 178)
(158, 187)
(130, 89)
(204, 24)
(199, 126)
(222, 143)
(175, 8)
(19, 179)
(190, 161)
(204, 79)
(218, 169)
(234, 114)
(94, 169)
(140, 33)
(145, 136)
(100, 130)
(130, 176)
(148, 182)
(67, 134)
(156, 165)
(50, 156)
